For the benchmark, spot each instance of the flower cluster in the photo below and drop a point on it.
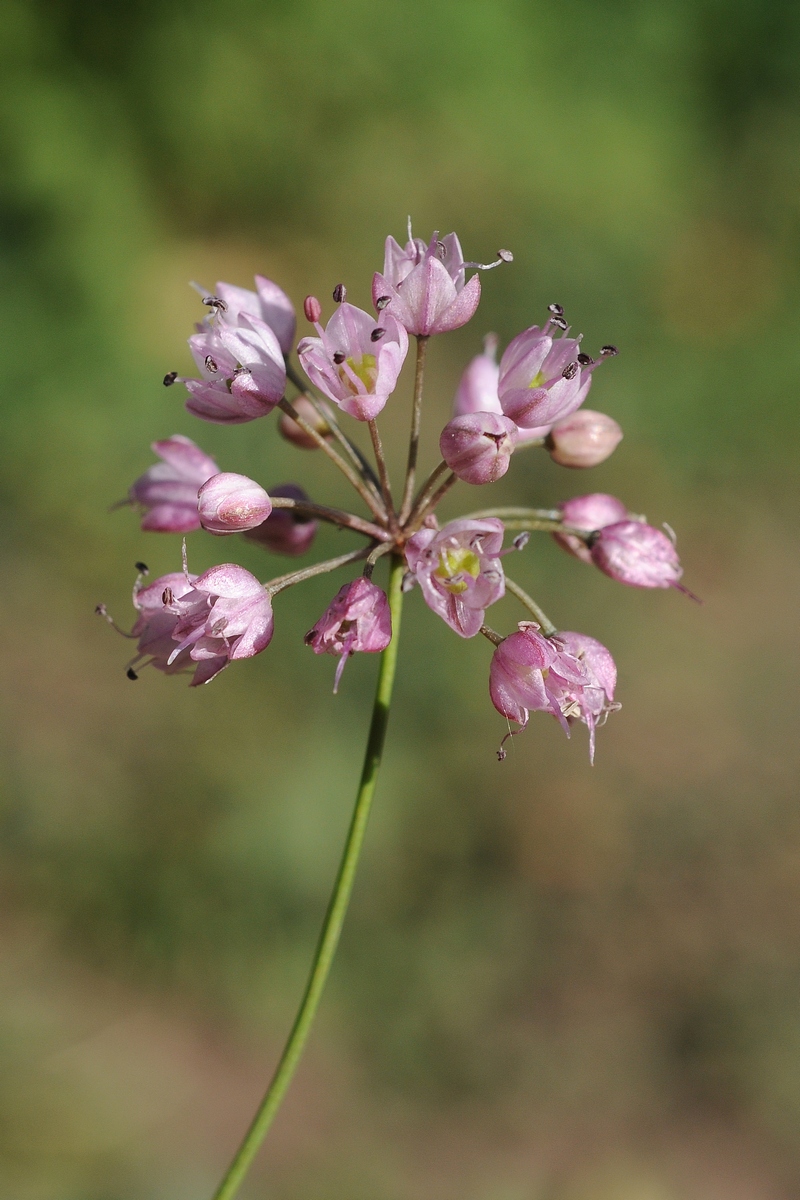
(531, 398)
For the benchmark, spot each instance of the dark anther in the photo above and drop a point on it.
(559, 322)
(308, 640)
(570, 370)
(608, 351)
(142, 567)
(167, 596)
(591, 538)
(556, 309)
(585, 360)
(377, 334)
(339, 293)
(521, 540)
(242, 371)
(131, 673)
(170, 378)
(215, 302)
(381, 302)
(505, 255)
(339, 357)
(211, 364)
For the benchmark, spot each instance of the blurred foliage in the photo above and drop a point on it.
(556, 982)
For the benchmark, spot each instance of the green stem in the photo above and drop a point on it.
(416, 421)
(337, 907)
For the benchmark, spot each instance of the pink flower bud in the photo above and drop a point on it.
(292, 432)
(229, 503)
(358, 618)
(312, 309)
(583, 439)
(590, 513)
(478, 446)
(637, 554)
(285, 531)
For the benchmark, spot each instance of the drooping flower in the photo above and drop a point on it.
(268, 303)
(155, 625)
(459, 570)
(230, 503)
(356, 360)
(285, 531)
(477, 447)
(424, 285)
(543, 377)
(591, 512)
(568, 675)
(477, 390)
(168, 490)
(243, 374)
(226, 615)
(637, 554)
(583, 439)
(358, 618)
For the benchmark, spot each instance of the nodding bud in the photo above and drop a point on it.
(229, 503)
(170, 378)
(583, 439)
(215, 302)
(292, 432)
(556, 309)
(608, 351)
(340, 293)
(637, 554)
(381, 302)
(312, 309)
(477, 447)
(377, 334)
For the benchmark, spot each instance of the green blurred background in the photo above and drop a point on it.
(556, 982)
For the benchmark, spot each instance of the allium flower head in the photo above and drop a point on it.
(544, 377)
(637, 554)
(356, 360)
(242, 371)
(459, 570)
(168, 490)
(226, 615)
(358, 618)
(424, 285)
(591, 512)
(285, 531)
(477, 390)
(268, 303)
(155, 625)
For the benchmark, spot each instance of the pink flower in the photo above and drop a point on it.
(226, 615)
(243, 375)
(478, 446)
(637, 554)
(591, 512)
(477, 390)
(424, 285)
(268, 303)
(230, 503)
(568, 675)
(285, 531)
(358, 618)
(459, 570)
(583, 439)
(168, 490)
(544, 378)
(356, 360)
(155, 625)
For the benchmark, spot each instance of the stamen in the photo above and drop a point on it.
(215, 302)
(340, 293)
(170, 378)
(556, 309)
(408, 583)
(559, 322)
(167, 596)
(377, 334)
(339, 357)
(242, 371)
(521, 540)
(131, 673)
(142, 568)
(585, 360)
(608, 351)
(312, 309)
(570, 371)
(503, 256)
(211, 364)
(382, 301)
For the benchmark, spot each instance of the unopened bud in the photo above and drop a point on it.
(583, 439)
(291, 431)
(229, 503)
(477, 447)
(588, 513)
(312, 309)
(637, 554)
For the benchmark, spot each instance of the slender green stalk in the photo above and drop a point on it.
(383, 474)
(280, 582)
(416, 421)
(337, 908)
(548, 628)
(336, 516)
(412, 526)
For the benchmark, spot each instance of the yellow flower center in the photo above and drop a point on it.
(453, 565)
(365, 368)
(537, 381)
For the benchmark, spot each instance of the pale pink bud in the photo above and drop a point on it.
(637, 554)
(292, 432)
(583, 439)
(285, 531)
(230, 503)
(478, 446)
(226, 615)
(358, 618)
(591, 512)
(312, 309)
(459, 570)
(168, 490)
